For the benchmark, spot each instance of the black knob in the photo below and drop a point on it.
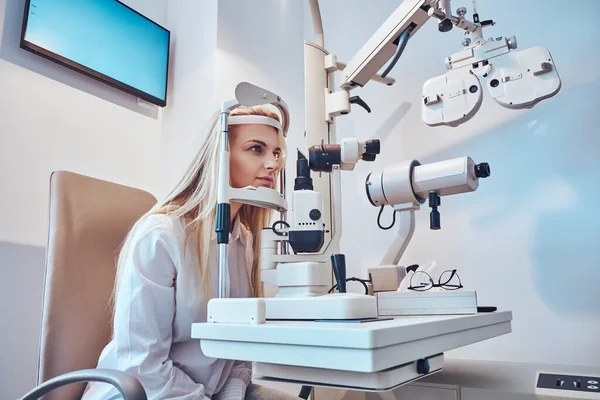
(368, 157)
(445, 25)
(372, 146)
(423, 366)
(314, 214)
(338, 262)
(360, 102)
(482, 170)
(434, 216)
(434, 220)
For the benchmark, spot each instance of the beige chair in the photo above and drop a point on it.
(89, 219)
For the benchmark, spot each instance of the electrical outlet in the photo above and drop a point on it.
(567, 386)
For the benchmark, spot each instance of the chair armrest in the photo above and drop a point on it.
(129, 387)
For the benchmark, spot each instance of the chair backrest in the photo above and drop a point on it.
(88, 221)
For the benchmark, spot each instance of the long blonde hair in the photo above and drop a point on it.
(194, 199)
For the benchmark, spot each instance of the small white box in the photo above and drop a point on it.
(236, 310)
(427, 302)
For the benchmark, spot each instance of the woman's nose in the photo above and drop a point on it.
(271, 163)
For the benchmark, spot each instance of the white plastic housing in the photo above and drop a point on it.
(524, 78)
(451, 99)
(304, 202)
(445, 177)
(380, 48)
(386, 277)
(259, 197)
(480, 51)
(384, 380)
(336, 104)
(236, 311)
(335, 306)
(351, 150)
(409, 182)
(268, 249)
(393, 185)
(299, 278)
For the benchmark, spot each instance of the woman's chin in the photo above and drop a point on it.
(268, 185)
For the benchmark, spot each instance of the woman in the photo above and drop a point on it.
(167, 271)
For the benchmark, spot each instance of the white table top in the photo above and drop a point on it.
(370, 335)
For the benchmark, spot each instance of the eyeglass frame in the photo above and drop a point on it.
(439, 284)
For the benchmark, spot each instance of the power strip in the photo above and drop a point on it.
(553, 386)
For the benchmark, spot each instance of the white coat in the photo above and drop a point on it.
(159, 298)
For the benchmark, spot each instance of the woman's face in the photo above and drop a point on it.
(254, 153)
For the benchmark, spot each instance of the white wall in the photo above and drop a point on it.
(261, 42)
(53, 118)
(193, 26)
(527, 240)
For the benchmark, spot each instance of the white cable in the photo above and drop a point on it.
(474, 7)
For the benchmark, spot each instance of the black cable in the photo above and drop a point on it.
(379, 217)
(280, 233)
(401, 45)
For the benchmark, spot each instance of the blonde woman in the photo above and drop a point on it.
(167, 271)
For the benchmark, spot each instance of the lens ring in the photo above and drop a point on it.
(450, 280)
(420, 281)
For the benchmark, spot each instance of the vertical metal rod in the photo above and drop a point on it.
(222, 198)
(223, 270)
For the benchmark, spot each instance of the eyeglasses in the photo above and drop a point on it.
(422, 281)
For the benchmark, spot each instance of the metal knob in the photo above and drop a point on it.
(466, 42)
(512, 42)
(461, 11)
(448, 62)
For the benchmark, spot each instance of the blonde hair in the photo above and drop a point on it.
(194, 199)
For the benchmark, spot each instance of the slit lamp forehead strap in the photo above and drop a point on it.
(254, 120)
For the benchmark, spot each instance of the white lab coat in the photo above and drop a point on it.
(159, 298)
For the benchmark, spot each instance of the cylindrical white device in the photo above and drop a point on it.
(409, 181)
(268, 248)
(393, 185)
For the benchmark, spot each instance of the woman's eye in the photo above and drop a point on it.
(256, 148)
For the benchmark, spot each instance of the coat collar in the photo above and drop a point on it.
(238, 231)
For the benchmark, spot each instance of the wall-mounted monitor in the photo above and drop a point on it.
(104, 39)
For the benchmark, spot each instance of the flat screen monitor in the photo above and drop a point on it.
(104, 39)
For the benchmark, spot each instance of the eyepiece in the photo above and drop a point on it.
(372, 146)
(482, 170)
(323, 157)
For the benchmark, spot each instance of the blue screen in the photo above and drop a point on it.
(105, 36)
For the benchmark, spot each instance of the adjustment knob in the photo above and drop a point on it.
(314, 214)
(482, 170)
(445, 25)
(423, 366)
(372, 146)
(368, 157)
